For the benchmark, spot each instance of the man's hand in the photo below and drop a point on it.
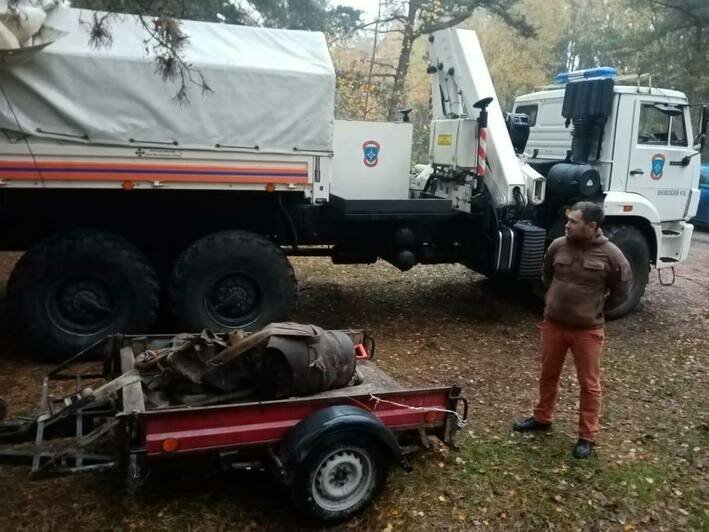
(620, 280)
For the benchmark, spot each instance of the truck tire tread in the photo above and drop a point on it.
(634, 246)
(230, 245)
(33, 268)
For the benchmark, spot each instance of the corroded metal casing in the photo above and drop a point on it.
(303, 366)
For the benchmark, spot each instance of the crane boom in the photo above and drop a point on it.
(461, 78)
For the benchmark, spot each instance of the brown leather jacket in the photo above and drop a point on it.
(580, 276)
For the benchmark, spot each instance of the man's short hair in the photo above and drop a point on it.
(590, 212)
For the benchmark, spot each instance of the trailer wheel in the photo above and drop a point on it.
(634, 246)
(230, 280)
(75, 287)
(339, 477)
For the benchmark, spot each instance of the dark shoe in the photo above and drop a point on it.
(583, 449)
(530, 425)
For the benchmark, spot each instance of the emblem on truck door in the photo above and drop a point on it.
(371, 153)
(658, 166)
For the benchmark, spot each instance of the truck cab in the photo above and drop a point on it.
(645, 156)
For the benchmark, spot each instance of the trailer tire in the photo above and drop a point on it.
(75, 287)
(232, 280)
(634, 246)
(339, 477)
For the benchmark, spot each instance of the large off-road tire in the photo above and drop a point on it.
(339, 477)
(232, 280)
(634, 246)
(75, 287)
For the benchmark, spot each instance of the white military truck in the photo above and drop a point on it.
(639, 139)
(124, 199)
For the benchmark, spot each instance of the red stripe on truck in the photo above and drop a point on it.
(91, 171)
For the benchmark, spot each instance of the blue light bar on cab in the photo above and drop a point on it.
(598, 72)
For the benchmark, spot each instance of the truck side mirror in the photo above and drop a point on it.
(700, 139)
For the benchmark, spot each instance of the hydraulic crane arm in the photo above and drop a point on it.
(460, 80)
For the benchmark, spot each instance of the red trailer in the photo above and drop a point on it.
(331, 450)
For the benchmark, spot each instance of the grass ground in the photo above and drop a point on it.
(447, 325)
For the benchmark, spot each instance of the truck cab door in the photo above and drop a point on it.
(660, 140)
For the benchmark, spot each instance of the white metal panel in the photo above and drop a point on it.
(549, 138)
(671, 188)
(55, 164)
(455, 143)
(688, 230)
(627, 204)
(444, 137)
(676, 240)
(360, 173)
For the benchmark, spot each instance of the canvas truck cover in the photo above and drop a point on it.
(271, 88)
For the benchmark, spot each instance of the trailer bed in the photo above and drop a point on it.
(159, 432)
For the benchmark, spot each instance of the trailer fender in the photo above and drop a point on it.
(311, 431)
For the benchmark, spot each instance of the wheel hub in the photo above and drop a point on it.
(340, 477)
(234, 296)
(83, 304)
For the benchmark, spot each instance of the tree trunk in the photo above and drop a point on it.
(402, 67)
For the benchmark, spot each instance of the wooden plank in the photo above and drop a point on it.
(133, 400)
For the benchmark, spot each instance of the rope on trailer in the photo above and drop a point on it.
(378, 400)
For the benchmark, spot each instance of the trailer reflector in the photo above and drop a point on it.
(170, 445)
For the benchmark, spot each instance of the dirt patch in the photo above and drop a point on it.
(446, 324)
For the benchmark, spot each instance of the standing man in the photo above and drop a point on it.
(581, 271)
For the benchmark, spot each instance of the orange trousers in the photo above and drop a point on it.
(586, 346)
